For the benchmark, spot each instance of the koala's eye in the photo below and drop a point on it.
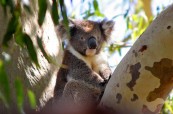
(82, 38)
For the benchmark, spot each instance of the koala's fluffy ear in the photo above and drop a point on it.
(107, 27)
(71, 22)
(61, 30)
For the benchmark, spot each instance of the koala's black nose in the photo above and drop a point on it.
(92, 44)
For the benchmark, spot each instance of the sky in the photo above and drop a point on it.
(111, 8)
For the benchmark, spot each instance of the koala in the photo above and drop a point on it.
(85, 71)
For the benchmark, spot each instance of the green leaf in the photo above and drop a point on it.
(95, 3)
(141, 22)
(19, 94)
(24, 39)
(3, 2)
(4, 86)
(2, 97)
(112, 48)
(135, 18)
(31, 50)
(64, 15)
(42, 11)
(19, 36)
(12, 25)
(89, 15)
(98, 13)
(97, 10)
(119, 50)
(39, 42)
(10, 3)
(127, 23)
(32, 99)
(88, 12)
(6, 3)
(54, 12)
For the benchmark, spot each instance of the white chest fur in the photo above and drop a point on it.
(96, 62)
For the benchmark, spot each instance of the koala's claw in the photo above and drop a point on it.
(103, 83)
(106, 81)
(106, 74)
(108, 78)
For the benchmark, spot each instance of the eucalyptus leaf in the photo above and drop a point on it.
(11, 29)
(2, 97)
(19, 94)
(19, 37)
(54, 12)
(3, 2)
(95, 3)
(39, 42)
(64, 15)
(31, 50)
(42, 11)
(32, 99)
(119, 51)
(96, 8)
(4, 86)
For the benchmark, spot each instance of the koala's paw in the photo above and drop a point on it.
(99, 81)
(106, 74)
(98, 78)
(103, 84)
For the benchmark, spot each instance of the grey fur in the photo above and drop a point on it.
(83, 71)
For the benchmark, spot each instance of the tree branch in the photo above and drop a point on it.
(143, 79)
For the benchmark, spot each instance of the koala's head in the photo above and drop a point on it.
(87, 37)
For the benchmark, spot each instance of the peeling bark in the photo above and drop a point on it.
(134, 71)
(145, 75)
(162, 70)
(140, 83)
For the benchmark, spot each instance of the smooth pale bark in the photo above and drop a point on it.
(40, 80)
(144, 78)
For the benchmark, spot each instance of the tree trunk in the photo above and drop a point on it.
(40, 80)
(140, 83)
(144, 78)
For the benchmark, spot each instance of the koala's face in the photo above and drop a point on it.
(87, 37)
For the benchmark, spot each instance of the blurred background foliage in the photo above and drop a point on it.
(131, 17)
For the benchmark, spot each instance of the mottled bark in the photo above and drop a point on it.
(40, 80)
(140, 83)
(144, 78)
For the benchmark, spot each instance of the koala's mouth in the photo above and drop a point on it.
(90, 52)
